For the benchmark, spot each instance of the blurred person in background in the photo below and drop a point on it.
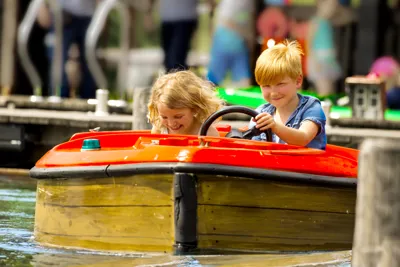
(323, 68)
(77, 15)
(179, 19)
(233, 37)
(388, 69)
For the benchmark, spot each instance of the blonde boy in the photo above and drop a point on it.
(293, 118)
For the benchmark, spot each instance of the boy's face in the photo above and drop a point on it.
(281, 93)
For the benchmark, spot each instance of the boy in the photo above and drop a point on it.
(293, 118)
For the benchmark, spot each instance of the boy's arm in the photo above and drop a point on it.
(313, 122)
(301, 137)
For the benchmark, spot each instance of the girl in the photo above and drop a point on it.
(180, 102)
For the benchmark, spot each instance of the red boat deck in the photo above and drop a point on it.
(129, 147)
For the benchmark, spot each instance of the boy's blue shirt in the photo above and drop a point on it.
(309, 108)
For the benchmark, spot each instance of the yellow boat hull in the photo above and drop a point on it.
(155, 212)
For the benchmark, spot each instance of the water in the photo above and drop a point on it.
(18, 248)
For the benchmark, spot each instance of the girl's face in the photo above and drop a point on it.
(177, 121)
(280, 94)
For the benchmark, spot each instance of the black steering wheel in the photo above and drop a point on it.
(235, 133)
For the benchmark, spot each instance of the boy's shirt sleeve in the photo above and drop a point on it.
(316, 114)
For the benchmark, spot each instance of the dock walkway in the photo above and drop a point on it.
(89, 120)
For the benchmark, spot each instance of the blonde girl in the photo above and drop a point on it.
(180, 102)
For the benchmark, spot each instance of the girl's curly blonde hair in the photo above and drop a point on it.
(183, 89)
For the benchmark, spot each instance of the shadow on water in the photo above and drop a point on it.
(17, 247)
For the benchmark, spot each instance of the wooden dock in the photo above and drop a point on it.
(67, 104)
(88, 120)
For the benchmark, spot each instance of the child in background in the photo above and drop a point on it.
(231, 43)
(180, 102)
(323, 68)
(293, 118)
(388, 68)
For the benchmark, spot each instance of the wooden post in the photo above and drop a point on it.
(140, 102)
(9, 32)
(377, 228)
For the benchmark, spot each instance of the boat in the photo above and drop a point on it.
(133, 191)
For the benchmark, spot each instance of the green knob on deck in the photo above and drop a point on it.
(91, 144)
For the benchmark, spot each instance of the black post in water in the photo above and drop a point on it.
(185, 213)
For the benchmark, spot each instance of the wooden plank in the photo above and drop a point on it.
(124, 122)
(146, 190)
(67, 104)
(364, 80)
(107, 244)
(76, 119)
(364, 133)
(14, 172)
(106, 214)
(282, 224)
(265, 244)
(264, 194)
(362, 124)
(119, 222)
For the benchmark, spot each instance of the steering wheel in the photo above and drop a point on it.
(235, 133)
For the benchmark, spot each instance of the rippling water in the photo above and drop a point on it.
(17, 247)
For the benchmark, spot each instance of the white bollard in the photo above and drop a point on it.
(101, 102)
(140, 101)
(326, 106)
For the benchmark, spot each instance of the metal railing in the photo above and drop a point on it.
(57, 63)
(24, 31)
(92, 35)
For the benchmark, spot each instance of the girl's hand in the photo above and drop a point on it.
(264, 121)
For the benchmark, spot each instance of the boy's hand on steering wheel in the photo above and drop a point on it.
(264, 121)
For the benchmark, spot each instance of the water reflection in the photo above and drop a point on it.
(17, 247)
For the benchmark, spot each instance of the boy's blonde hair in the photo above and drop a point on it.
(279, 61)
(183, 89)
